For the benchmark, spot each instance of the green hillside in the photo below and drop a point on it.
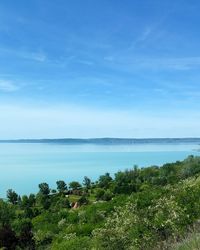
(148, 208)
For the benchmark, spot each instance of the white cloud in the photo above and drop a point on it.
(8, 86)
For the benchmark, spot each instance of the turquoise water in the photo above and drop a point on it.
(24, 165)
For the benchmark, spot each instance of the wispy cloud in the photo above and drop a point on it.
(142, 63)
(184, 63)
(146, 34)
(8, 86)
(38, 56)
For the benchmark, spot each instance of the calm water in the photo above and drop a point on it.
(24, 165)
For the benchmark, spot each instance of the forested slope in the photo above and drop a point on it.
(148, 208)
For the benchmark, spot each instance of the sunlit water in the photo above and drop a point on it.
(24, 165)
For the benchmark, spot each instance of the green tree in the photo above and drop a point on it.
(43, 195)
(105, 180)
(7, 213)
(44, 188)
(26, 240)
(61, 186)
(44, 201)
(83, 200)
(86, 182)
(99, 193)
(74, 185)
(24, 201)
(63, 202)
(32, 200)
(12, 196)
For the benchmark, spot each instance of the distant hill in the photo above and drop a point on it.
(104, 141)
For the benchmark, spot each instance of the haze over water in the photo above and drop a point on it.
(24, 165)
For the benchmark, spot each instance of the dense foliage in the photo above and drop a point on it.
(141, 208)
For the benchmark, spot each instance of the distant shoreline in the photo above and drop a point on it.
(108, 141)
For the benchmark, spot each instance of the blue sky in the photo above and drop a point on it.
(99, 68)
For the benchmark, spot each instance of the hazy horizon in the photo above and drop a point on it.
(102, 138)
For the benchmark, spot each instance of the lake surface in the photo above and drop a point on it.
(24, 165)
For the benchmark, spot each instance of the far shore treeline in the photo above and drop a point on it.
(139, 208)
(106, 140)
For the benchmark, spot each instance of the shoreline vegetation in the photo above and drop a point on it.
(140, 208)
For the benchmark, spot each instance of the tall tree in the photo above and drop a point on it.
(44, 188)
(105, 180)
(87, 182)
(12, 196)
(61, 186)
